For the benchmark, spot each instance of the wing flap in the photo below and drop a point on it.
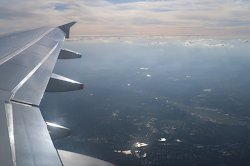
(5, 149)
(33, 145)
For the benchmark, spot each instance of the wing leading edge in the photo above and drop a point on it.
(27, 59)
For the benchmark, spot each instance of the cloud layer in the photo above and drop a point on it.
(100, 17)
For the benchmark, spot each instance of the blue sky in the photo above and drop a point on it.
(61, 7)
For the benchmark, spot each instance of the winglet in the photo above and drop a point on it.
(65, 28)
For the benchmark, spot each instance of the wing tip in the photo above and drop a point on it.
(68, 25)
(65, 28)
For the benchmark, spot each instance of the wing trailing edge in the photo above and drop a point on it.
(65, 28)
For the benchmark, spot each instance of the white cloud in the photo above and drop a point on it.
(103, 40)
(128, 42)
(190, 43)
(203, 42)
(207, 90)
(195, 42)
(217, 45)
(155, 43)
(245, 41)
(96, 14)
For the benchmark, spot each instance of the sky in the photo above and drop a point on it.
(131, 17)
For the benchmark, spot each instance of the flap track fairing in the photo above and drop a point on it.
(56, 131)
(68, 54)
(59, 83)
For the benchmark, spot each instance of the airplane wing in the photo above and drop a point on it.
(27, 59)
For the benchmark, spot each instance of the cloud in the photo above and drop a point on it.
(195, 42)
(245, 41)
(207, 17)
(190, 43)
(128, 42)
(104, 40)
(155, 43)
(205, 42)
(217, 45)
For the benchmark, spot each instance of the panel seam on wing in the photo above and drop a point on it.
(33, 53)
(43, 45)
(32, 72)
(19, 65)
(23, 103)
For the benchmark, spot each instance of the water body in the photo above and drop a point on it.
(156, 101)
